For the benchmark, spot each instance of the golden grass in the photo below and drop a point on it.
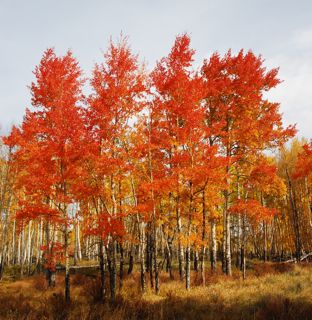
(275, 295)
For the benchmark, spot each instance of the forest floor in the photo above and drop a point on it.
(271, 291)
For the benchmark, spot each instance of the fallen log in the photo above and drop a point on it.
(301, 259)
(61, 267)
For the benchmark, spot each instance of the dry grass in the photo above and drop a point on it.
(271, 292)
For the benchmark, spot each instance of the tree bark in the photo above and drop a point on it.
(121, 265)
(243, 248)
(102, 270)
(112, 269)
(142, 258)
(203, 249)
(180, 246)
(130, 267)
(67, 274)
(213, 247)
(156, 270)
(295, 217)
(228, 266)
(188, 268)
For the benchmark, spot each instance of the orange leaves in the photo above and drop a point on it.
(304, 162)
(157, 145)
(263, 178)
(253, 209)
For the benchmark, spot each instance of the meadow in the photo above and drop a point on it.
(271, 291)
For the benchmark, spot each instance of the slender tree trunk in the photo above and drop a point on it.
(19, 249)
(213, 247)
(112, 268)
(239, 242)
(14, 243)
(76, 246)
(239, 227)
(142, 258)
(102, 269)
(49, 272)
(39, 243)
(188, 248)
(308, 204)
(180, 246)
(228, 268)
(22, 251)
(67, 275)
(155, 249)
(169, 258)
(188, 267)
(29, 243)
(121, 265)
(243, 248)
(224, 243)
(130, 267)
(203, 249)
(295, 217)
(150, 258)
(168, 255)
(5, 205)
(196, 259)
(265, 244)
(78, 241)
(2, 260)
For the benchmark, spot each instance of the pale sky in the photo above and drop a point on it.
(280, 30)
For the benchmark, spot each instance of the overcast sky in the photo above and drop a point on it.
(280, 30)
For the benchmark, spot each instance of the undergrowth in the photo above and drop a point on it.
(272, 291)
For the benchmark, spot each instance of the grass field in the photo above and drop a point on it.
(272, 291)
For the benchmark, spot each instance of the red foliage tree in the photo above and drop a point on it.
(49, 146)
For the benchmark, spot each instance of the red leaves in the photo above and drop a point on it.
(56, 82)
(234, 87)
(118, 88)
(104, 225)
(30, 211)
(118, 85)
(53, 254)
(146, 144)
(253, 209)
(49, 143)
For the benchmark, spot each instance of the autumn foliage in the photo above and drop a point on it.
(175, 154)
